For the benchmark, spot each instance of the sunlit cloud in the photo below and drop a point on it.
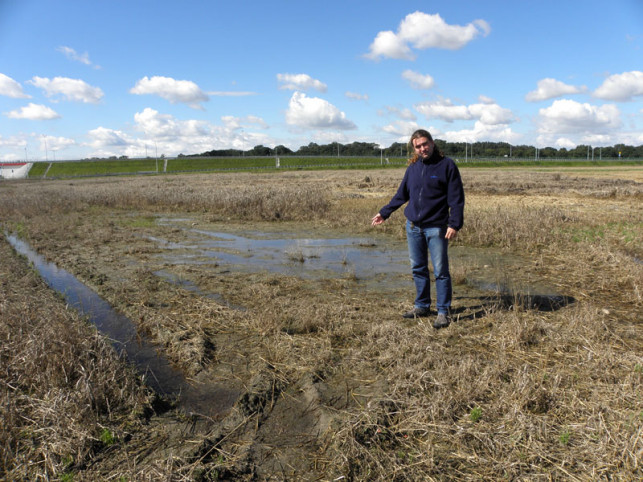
(621, 87)
(300, 82)
(552, 88)
(33, 112)
(71, 54)
(417, 80)
(487, 112)
(75, 90)
(422, 31)
(356, 96)
(174, 91)
(315, 113)
(566, 115)
(11, 88)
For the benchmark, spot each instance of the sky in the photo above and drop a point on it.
(136, 78)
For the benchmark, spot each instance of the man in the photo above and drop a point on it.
(435, 213)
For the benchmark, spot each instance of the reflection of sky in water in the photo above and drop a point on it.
(303, 257)
(370, 260)
(207, 398)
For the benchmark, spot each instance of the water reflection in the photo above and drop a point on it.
(307, 258)
(372, 263)
(209, 399)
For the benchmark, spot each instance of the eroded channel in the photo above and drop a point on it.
(209, 399)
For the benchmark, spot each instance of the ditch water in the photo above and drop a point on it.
(211, 400)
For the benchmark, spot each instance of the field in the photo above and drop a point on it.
(114, 167)
(317, 375)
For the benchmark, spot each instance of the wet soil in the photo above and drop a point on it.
(229, 390)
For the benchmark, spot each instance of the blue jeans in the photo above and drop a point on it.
(422, 242)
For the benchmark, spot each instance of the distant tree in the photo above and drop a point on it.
(311, 149)
(626, 151)
(281, 150)
(548, 152)
(259, 151)
(481, 149)
(397, 149)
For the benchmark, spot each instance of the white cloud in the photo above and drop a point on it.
(444, 109)
(233, 123)
(13, 147)
(404, 114)
(597, 139)
(174, 91)
(51, 143)
(71, 54)
(155, 125)
(13, 141)
(483, 132)
(102, 138)
(487, 113)
(401, 128)
(422, 31)
(70, 89)
(255, 120)
(315, 113)
(356, 96)
(564, 142)
(11, 88)
(387, 44)
(576, 121)
(491, 114)
(173, 136)
(621, 87)
(551, 88)
(417, 80)
(300, 82)
(33, 112)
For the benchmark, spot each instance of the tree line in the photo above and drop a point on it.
(451, 149)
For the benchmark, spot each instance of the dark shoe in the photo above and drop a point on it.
(417, 313)
(442, 321)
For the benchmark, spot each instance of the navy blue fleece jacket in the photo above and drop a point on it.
(433, 189)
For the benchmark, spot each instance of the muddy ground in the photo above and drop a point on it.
(315, 376)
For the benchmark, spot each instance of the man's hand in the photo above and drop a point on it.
(377, 220)
(451, 233)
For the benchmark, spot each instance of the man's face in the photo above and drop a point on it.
(423, 147)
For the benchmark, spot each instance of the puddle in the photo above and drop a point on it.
(305, 258)
(371, 263)
(209, 399)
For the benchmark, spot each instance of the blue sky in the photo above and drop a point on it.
(82, 78)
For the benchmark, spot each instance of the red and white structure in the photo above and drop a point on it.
(14, 170)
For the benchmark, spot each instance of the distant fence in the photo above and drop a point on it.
(152, 166)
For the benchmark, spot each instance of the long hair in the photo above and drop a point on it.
(411, 148)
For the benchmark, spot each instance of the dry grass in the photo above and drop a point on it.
(333, 384)
(64, 393)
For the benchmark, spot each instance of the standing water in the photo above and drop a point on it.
(211, 400)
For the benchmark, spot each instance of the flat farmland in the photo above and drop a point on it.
(272, 293)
